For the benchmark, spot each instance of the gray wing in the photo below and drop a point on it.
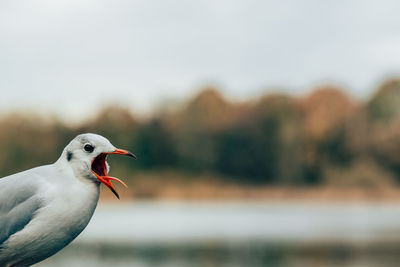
(18, 204)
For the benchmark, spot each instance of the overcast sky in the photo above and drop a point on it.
(73, 56)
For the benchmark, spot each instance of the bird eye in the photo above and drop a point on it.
(88, 148)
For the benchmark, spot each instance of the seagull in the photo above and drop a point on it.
(43, 209)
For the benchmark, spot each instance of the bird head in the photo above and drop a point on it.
(87, 155)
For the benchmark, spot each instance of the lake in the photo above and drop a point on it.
(247, 234)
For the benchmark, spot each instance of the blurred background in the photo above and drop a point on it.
(267, 132)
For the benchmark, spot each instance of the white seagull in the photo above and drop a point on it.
(43, 209)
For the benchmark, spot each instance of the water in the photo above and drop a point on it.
(236, 234)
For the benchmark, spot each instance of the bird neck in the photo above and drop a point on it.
(79, 169)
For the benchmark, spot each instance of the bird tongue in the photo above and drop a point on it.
(99, 169)
(107, 181)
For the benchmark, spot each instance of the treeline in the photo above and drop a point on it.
(325, 137)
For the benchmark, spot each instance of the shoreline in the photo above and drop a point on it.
(210, 191)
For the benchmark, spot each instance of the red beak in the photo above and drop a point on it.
(99, 169)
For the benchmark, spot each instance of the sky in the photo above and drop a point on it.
(72, 57)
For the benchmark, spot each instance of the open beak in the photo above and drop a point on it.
(99, 169)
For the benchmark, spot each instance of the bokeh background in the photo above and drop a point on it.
(267, 132)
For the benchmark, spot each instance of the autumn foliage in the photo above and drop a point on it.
(322, 138)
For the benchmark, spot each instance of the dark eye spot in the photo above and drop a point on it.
(88, 148)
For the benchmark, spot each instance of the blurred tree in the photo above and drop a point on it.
(385, 145)
(327, 111)
(197, 125)
(363, 172)
(276, 139)
(114, 121)
(246, 152)
(384, 106)
(383, 111)
(155, 145)
(264, 143)
(25, 142)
